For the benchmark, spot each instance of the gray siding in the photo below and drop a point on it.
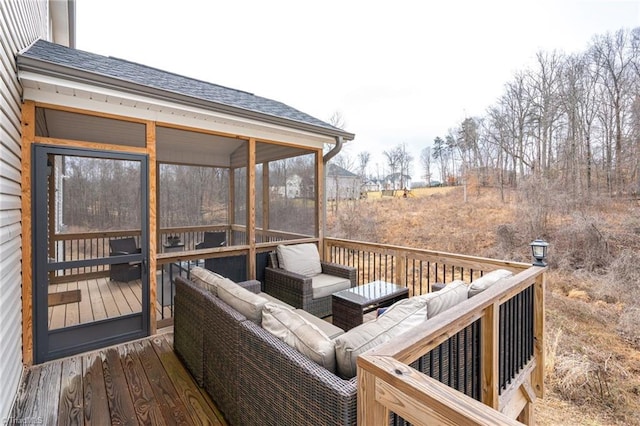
(21, 22)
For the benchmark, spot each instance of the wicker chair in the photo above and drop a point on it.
(213, 239)
(297, 290)
(124, 272)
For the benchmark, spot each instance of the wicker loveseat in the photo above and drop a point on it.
(254, 377)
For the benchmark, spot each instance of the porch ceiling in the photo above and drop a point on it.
(173, 145)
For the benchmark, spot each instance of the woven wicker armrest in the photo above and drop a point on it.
(253, 286)
(189, 307)
(340, 271)
(306, 393)
(289, 287)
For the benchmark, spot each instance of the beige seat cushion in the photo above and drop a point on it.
(242, 300)
(325, 285)
(401, 317)
(327, 328)
(206, 279)
(452, 294)
(302, 259)
(487, 280)
(297, 332)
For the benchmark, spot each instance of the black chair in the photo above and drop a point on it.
(124, 271)
(213, 239)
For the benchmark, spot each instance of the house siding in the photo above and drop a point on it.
(21, 23)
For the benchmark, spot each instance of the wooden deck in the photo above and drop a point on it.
(141, 382)
(100, 298)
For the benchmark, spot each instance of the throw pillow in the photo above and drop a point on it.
(300, 334)
(206, 279)
(242, 300)
(302, 259)
(399, 318)
(487, 280)
(439, 301)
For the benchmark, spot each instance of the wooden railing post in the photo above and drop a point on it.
(370, 411)
(538, 334)
(401, 269)
(489, 356)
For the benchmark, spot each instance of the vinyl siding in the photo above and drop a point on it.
(21, 22)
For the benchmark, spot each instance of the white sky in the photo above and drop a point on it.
(398, 71)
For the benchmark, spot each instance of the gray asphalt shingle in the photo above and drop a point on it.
(143, 75)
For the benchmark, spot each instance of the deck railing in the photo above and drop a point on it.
(414, 268)
(84, 246)
(480, 362)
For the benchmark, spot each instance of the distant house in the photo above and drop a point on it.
(371, 185)
(342, 184)
(397, 181)
(292, 188)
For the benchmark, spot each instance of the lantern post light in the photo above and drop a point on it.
(539, 251)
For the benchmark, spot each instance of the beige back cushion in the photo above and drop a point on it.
(242, 300)
(399, 318)
(300, 334)
(487, 280)
(439, 301)
(302, 259)
(206, 279)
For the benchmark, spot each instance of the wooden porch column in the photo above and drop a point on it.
(266, 197)
(28, 136)
(319, 217)
(251, 207)
(232, 205)
(153, 222)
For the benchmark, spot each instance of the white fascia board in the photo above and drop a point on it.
(50, 90)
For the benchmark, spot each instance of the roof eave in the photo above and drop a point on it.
(49, 69)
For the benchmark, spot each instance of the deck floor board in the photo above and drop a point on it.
(71, 402)
(100, 298)
(137, 383)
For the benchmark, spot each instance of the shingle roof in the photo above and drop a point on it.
(45, 56)
(335, 170)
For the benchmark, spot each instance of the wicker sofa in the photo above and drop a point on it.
(254, 377)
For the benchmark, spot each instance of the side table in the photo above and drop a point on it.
(350, 305)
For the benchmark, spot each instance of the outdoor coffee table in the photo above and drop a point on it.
(349, 306)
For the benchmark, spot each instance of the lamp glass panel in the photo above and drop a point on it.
(538, 251)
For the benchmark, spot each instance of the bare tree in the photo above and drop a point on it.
(614, 65)
(393, 161)
(399, 161)
(516, 112)
(337, 120)
(543, 90)
(406, 159)
(363, 162)
(425, 163)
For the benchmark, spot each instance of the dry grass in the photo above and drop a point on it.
(593, 287)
